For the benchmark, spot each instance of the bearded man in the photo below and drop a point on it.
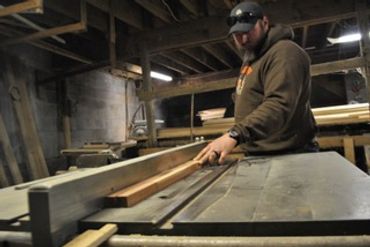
(272, 109)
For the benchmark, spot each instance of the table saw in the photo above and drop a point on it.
(313, 199)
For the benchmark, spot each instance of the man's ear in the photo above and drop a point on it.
(266, 23)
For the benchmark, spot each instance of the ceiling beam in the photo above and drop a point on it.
(234, 49)
(204, 58)
(165, 62)
(214, 28)
(304, 36)
(49, 47)
(120, 11)
(69, 8)
(220, 54)
(155, 9)
(201, 86)
(191, 6)
(33, 5)
(185, 60)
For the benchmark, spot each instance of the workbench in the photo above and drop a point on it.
(274, 197)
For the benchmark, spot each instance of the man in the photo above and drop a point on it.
(272, 109)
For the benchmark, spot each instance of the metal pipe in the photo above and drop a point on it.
(179, 241)
(8, 238)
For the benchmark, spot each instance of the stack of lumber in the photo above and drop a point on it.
(332, 115)
(211, 114)
(341, 115)
(325, 116)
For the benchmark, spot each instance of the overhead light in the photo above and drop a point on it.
(346, 38)
(160, 76)
(137, 69)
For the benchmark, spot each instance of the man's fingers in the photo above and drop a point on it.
(200, 155)
(222, 158)
(212, 157)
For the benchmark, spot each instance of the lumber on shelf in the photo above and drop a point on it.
(324, 116)
(132, 195)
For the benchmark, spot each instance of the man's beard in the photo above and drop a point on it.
(250, 53)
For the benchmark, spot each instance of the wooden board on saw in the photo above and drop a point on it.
(133, 194)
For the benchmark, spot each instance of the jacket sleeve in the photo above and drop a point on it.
(283, 77)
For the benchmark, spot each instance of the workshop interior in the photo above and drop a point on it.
(105, 105)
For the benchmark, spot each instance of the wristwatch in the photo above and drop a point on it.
(235, 135)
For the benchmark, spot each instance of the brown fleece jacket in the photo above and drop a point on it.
(272, 109)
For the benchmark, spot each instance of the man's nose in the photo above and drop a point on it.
(243, 38)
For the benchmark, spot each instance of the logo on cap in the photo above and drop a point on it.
(238, 12)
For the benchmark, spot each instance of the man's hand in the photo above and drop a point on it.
(217, 150)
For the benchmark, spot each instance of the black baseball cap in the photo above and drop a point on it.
(244, 16)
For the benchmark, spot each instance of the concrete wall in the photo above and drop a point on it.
(98, 110)
(98, 107)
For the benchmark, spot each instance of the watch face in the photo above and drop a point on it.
(233, 134)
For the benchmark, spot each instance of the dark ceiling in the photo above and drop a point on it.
(184, 38)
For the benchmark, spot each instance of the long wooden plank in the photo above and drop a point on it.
(138, 192)
(337, 141)
(9, 154)
(36, 161)
(4, 182)
(21, 7)
(93, 238)
(75, 27)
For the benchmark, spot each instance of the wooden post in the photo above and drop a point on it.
(66, 115)
(112, 36)
(36, 161)
(9, 155)
(192, 117)
(127, 116)
(4, 182)
(147, 86)
(349, 149)
(363, 25)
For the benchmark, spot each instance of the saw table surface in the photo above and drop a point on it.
(301, 194)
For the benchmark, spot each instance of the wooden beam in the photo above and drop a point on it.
(191, 6)
(349, 149)
(177, 36)
(76, 27)
(220, 54)
(201, 86)
(49, 47)
(202, 57)
(172, 65)
(363, 25)
(36, 161)
(304, 36)
(136, 193)
(185, 61)
(93, 238)
(132, 17)
(234, 49)
(9, 154)
(331, 67)
(149, 109)
(112, 36)
(35, 5)
(214, 28)
(155, 9)
(4, 182)
(189, 89)
(337, 141)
